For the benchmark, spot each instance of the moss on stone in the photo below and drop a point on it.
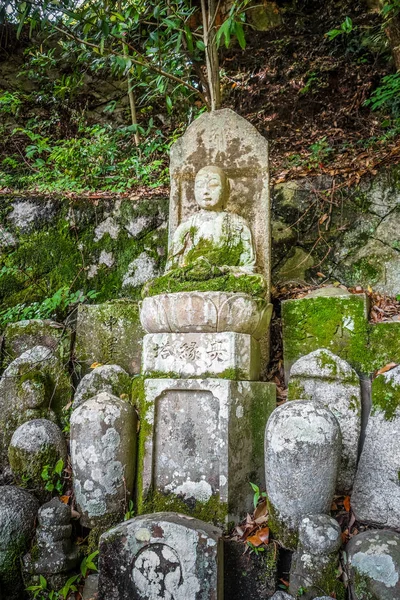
(328, 583)
(385, 397)
(338, 324)
(145, 430)
(212, 511)
(280, 531)
(27, 467)
(384, 343)
(296, 390)
(362, 587)
(206, 278)
(107, 522)
(233, 374)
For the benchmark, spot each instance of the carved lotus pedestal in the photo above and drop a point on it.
(204, 410)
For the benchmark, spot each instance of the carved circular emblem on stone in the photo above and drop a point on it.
(157, 573)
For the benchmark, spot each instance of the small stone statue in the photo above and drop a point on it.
(54, 553)
(224, 239)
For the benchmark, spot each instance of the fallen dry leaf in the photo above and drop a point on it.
(346, 504)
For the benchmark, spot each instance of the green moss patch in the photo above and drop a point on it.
(338, 324)
(212, 511)
(206, 278)
(385, 396)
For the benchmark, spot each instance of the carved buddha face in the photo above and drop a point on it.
(211, 188)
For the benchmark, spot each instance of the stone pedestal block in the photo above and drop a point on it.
(323, 377)
(205, 312)
(228, 355)
(109, 333)
(164, 555)
(103, 445)
(200, 444)
(302, 453)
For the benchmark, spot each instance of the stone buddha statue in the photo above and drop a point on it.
(213, 235)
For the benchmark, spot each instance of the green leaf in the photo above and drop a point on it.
(43, 582)
(189, 38)
(224, 31)
(59, 467)
(168, 102)
(240, 35)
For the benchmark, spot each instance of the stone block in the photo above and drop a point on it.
(34, 386)
(374, 565)
(200, 444)
(327, 379)
(109, 333)
(106, 378)
(103, 453)
(163, 555)
(327, 318)
(315, 563)
(302, 453)
(18, 510)
(227, 355)
(24, 335)
(376, 493)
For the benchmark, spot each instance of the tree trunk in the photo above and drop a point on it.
(132, 104)
(209, 36)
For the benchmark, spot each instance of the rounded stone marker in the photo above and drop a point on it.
(302, 453)
(107, 378)
(18, 511)
(34, 445)
(374, 565)
(103, 443)
(320, 534)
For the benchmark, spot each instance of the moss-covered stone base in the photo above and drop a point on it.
(339, 324)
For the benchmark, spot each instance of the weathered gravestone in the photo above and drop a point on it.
(109, 333)
(103, 452)
(302, 453)
(18, 511)
(163, 556)
(34, 386)
(327, 379)
(208, 316)
(374, 565)
(376, 494)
